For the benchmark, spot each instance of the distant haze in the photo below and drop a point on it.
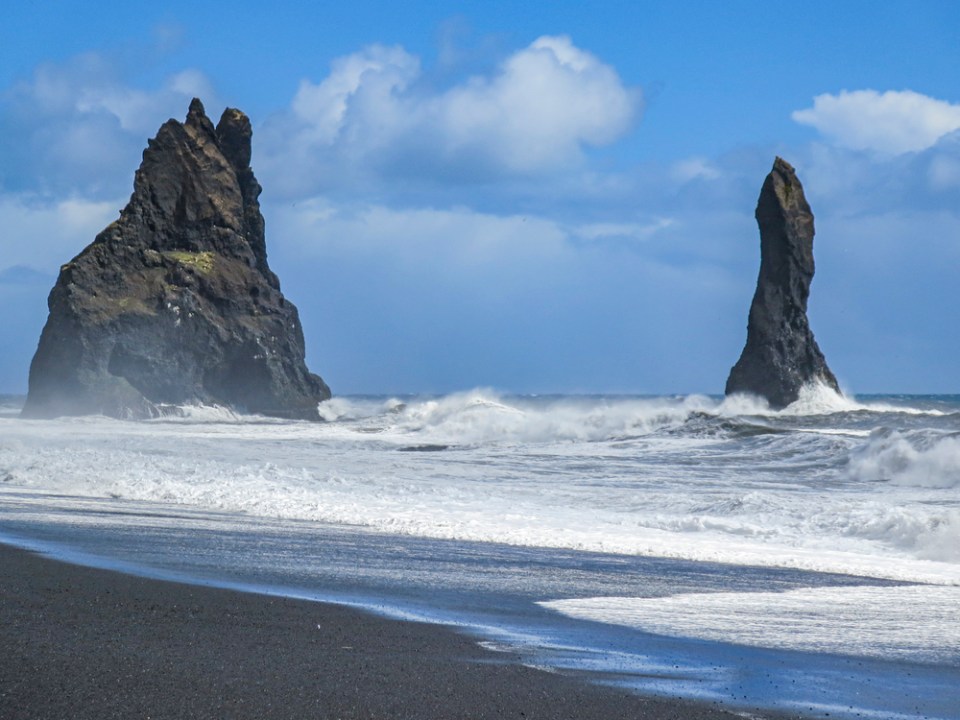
(529, 199)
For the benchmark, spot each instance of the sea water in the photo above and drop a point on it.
(806, 559)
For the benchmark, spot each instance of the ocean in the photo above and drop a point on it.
(804, 560)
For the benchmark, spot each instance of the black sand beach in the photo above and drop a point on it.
(83, 643)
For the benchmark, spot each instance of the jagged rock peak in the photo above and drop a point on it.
(234, 134)
(781, 355)
(197, 117)
(175, 303)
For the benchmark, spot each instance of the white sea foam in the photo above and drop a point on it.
(922, 459)
(687, 477)
(483, 416)
(858, 620)
(479, 417)
(817, 399)
(200, 414)
(867, 488)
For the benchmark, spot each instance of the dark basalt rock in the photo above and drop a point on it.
(781, 356)
(174, 303)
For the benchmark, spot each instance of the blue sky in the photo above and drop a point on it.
(531, 197)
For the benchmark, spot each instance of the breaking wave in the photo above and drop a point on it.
(481, 417)
(919, 458)
(484, 416)
(829, 483)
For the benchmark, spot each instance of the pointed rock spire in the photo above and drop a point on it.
(197, 117)
(174, 303)
(781, 355)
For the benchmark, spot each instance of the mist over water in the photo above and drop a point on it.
(868, 487)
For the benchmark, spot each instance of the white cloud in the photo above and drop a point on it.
(89, 84)
(634, 232)
(548, 101)
(455, 243)
(79, 127)
(423, 296)
(375, 113)
(138, 110)
(891, 122)
(367, 82)
(43, 234)
(944, 172)
(695, 168)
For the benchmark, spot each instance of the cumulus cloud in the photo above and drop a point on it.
(365, 84)
(396, 256)
(538, 112)
(137, 111)
(78, 127)
(892, 122)
(863, 183)
(90, 84)
(42, 234)
(548, 101)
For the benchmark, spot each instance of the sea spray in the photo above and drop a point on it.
(724, 498)
(921, 458)
(822, 484)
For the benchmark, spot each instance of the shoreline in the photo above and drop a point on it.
(82, 642)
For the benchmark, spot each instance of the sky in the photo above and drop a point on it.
(528, 197)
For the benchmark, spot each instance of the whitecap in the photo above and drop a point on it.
(921, 459)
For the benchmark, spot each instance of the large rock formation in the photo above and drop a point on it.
(781, 355)
(174, 303)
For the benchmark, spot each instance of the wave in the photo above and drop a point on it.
(484, 416)
(854, 620)
(921, 458)
(201, 414)
(814, 399)
(817, 399)
(683, 476)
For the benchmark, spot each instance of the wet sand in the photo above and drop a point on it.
(80, 643)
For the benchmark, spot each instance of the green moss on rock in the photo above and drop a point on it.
(202, 262)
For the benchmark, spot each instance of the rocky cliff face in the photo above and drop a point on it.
(781, 355)
(174, 303)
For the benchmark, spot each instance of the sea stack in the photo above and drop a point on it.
(174, 303)
(781, 356)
